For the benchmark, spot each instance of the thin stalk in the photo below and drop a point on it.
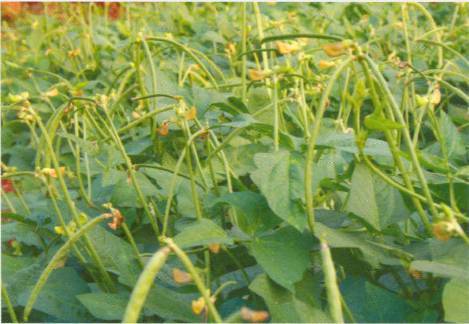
(7, 301)
(204, 291)
(72, 207)
(406, 134)
(243, 49)
(312, 143)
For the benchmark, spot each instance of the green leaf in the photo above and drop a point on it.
(58, 296)
(116, 254)
(104, 306)
(369, 303)
(182, 190)
(24, 233)
(171, 305)
(451, 137)
(379, 123)
(201, 232)
(279, 176)
(284, 306)
(373, 253)
(441, 269)
(124, 194)
(456, 301)
(252, 210)
(374, 200)
(284, 255)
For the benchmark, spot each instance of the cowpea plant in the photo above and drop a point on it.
(235, 162)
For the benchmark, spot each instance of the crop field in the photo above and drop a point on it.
(235, 162)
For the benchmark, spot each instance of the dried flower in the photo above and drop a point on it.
(181, 277)
(7, 186)
(253, 316)
(163, 130)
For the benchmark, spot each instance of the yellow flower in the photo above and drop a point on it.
(214, 248)
(59, 230)
(287, 48)
(198, 305)
(256, 75)
(336, 49)
(52, 92)
(191, 114)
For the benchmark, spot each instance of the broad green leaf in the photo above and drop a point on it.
(58, 296)
(284, 255)
(283, 305)
(24, 233)
(182, 190)
(456, 301)
(242, 157)
(374, 200)
(116, 254)
(279, 176)
(441, 269)
(373, 253)
(254, 215)
(449, 259)
(124, 194)
(104, 306)
(171, 305)
(369, 303)
(201, 232)
(451, 137)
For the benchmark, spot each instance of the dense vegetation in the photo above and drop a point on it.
(197, 162)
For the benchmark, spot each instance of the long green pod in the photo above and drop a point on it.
(312, 142)
(53, 263)
(144, 284)
(333, 292)
(294, 36)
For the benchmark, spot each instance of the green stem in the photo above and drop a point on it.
(312, 143)
(204, 291)
(7, 301)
